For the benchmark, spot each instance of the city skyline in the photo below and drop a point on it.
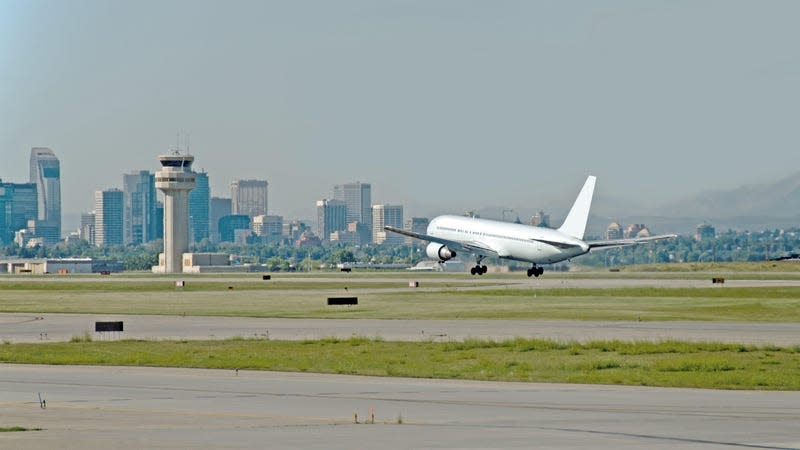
(445, 107)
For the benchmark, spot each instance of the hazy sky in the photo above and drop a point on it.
(446, 105)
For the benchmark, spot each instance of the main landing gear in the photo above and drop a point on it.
(535, 271)
(479, 269)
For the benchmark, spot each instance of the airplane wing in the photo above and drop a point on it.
(610, 243)
(561, 245)
(477, 248)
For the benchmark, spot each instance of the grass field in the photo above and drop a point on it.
(440, 298)
(675, 364)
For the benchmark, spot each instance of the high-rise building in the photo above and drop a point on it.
(220, 207)
(358, 198)
(45, 172)
(540, 219)
(87, 227)
(386, 215)
(175, 179)
(416, 225)
(249, 197)
(18, 205)
(331, 216)
(199, 205)
(232, 227)
(614, 231)
(268, 228)
(159, 229)
(108, 215)
(140, 203)
(704, 232)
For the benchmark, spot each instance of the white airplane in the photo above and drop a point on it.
(449, 235)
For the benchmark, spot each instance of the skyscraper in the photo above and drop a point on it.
(249, 197)
(416, 225)
(87, 227)
(234, 228)
(108, 210)
(139, 198)
(220, 207)
(18, 205)
(331, 216)
(175, 179)
(386, 215)
(45, 172)
(199, 204)
(358, 198)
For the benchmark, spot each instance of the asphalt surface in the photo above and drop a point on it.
(128, 407)
(62, 327)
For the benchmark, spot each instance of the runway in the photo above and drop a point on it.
(61, 327)
(130, 407)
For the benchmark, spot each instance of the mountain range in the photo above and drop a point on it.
(748, 207)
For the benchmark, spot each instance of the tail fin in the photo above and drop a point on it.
(575, 223)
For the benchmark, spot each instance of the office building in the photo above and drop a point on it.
(614, 231)
(45, 172)
(220, 207)
(234, 228)
(331, 216)
(416, 225)
(175, 180)
(199, 205)
(18, 205)
(358, 198)
(108, 211)
(249, 197)
(632, 230)
(86, 231)
(540, 219)
(292, 231)
(139, 197)
(387, 215)
(268, 228)
(704, 232)
(159, 229)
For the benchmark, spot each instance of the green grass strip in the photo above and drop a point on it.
(14, 429)
(669, 363)
(739, 304)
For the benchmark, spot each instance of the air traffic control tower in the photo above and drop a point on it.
(175, 179)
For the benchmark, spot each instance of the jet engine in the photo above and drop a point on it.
(439, 251)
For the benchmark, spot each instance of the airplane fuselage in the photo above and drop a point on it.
(513, 241)
(447, 236)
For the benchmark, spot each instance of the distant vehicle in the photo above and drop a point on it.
(450, 235)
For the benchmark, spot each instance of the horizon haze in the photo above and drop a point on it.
(441, 106)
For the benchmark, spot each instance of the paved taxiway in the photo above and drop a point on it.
(122, 407)
(61, 327)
